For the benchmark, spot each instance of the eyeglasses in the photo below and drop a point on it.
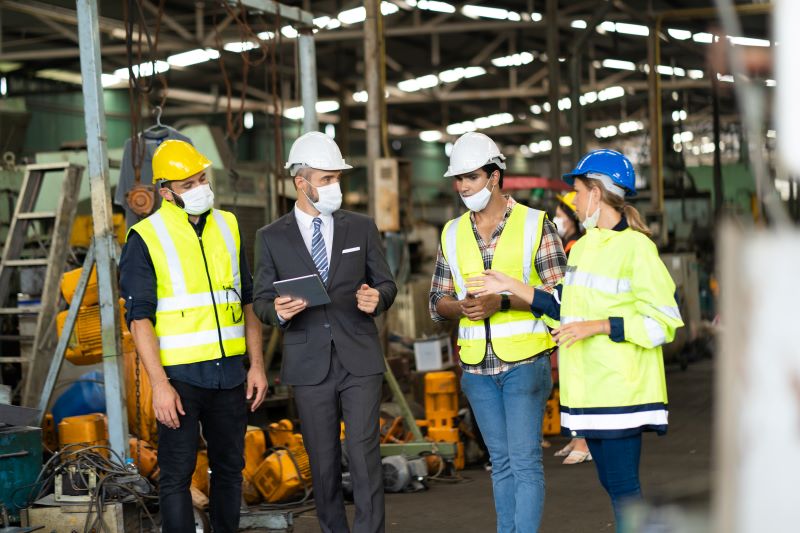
(230, 304)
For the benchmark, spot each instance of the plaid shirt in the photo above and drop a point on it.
(550, 263)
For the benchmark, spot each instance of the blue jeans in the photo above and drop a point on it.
(617, 462)
(509, 408)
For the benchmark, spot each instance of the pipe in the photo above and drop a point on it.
(308, 79)
(372, 82)
(554, 82)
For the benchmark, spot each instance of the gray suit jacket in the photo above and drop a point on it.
(282, 254)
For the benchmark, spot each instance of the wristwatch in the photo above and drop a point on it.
(505, 302)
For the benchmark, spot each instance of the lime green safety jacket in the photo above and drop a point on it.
(198, 285)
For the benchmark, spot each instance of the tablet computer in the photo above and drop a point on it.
(308, 288)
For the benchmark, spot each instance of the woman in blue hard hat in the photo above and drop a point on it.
(612, 313)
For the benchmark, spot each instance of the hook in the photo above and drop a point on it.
(157, 110)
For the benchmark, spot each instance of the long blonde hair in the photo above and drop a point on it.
(635, 220)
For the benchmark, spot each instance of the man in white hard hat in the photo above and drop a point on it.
(504, 348)
(331, 353)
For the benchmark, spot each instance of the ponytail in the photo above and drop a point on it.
(635, 220)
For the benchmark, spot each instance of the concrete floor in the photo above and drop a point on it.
(671, 467)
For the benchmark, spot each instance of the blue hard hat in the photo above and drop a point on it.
(609, 162)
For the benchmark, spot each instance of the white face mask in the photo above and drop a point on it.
(590, 222)
(561, 226)
(478, 201)
(198, 200)
(330, 198)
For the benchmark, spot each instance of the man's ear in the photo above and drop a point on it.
(166, 193)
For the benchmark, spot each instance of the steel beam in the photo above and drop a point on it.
(372, 75)
(554, 84)
(104, 241)
(288, 13)
(308, 79)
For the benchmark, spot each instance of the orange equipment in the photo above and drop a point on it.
(145, 457)
(441, 410)
(286, 472)
(86, 343)
(551, 424)
(88, 430)
(255, 447)
(83, 230)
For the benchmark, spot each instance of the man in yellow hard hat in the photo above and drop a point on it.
(188, 297)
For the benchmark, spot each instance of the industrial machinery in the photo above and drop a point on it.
(441, 410)
(404, 475)
(286, 472)
(20, 462)
(86, 430)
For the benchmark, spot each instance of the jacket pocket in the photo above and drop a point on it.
(294, 337)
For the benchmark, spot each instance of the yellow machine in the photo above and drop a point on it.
(86, 343)
(255, 448)
(83, 230)
(441, 410)
(87, 430)
(286, 472)
(145, 457)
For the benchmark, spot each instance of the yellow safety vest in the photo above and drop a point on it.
(616, 389)
(515, 335)
(199, 287)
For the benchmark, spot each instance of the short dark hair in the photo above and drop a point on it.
(490, 168)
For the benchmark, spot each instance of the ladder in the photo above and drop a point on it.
(44, 337)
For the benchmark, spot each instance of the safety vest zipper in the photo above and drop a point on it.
(213, 300)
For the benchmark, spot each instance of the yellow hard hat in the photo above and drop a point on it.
(568, 200)
(176, 160)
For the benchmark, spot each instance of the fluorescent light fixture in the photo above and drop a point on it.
(416, 84)
(266, 35)
(193, 57)
(536, 17)
(388, 8)
(623, 27)
(335, 23)
(473, 11)
(109, 80)
(439, 7)
(430, 136)
(321, 22)
(680, 35)
(619, 64)
(238, 48)
(289, 32)
(727, 78)
(696, 74)
(546, 107)
(3, 86)
(360, 96)
(536, 109)
(609, 93)
(605, 132)
(578, 24)
(630, 126)
(248, 120)
(9, 66)
(448, 149)
(683, 137)
(771, 134)
(353, 16)
(564, 103)
(60, 75)
(703, 38)
(679, 114)
(632, 29)
(565, 141)
(749, 41)
(514, 60)
(330, 131)
(452, 75)
(590, 97)
(480, 123)
(667, 70)
(323, 106)
(770, 83)
(145, 69)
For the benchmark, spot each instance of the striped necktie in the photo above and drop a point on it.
(318, 252)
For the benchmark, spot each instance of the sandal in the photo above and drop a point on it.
(575, 457)
(563, 452)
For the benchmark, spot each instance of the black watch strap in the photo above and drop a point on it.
(505, 302)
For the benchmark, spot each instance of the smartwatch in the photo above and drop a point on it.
(505, 302)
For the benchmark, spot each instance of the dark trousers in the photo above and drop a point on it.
(223, 416)
(617, 462)
(356, 400)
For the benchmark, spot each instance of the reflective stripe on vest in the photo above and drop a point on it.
(613, 421)
(199, 314)
(515, 335)
(597, 282)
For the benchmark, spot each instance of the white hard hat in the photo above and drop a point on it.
(472, 151)
(315, 150)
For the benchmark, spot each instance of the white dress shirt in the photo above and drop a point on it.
(305, 223)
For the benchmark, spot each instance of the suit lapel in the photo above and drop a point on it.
(339, 235)
(294, 237)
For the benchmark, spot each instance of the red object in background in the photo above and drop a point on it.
(554, 366)
(523, 183)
